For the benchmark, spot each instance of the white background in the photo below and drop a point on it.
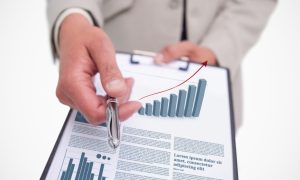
(268, 143)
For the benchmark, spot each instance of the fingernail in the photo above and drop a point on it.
(115, 85)
(159, 59)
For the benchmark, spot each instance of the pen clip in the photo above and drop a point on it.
(153, 54)
(112, 122)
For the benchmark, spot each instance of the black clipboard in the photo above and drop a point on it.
(136, 62)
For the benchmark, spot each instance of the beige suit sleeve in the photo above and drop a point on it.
(56, 7)
(236, 28)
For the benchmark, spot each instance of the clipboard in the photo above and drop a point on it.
(135, 61)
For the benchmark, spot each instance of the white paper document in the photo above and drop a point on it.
(155, 146)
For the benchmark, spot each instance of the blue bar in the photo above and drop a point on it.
(79, 118)
(156, 108)
(199, 97)
(81, 176)
(103, 178)
(69, 169)
(148, 109)
(89, 173)
(101, 172)
(63, 175)
(71, 172)
(86, 169)
(190, 101)
(92, 176)
(164, 107)
(181, 102)
(141, 111)
(172, 105)
(80, 166)
(103, 125)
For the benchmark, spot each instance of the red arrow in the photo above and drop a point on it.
(203, 64)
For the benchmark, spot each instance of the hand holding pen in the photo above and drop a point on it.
(84, 51)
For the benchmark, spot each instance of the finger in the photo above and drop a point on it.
(103, 54)
(64, 99)
(129, 83)
(175, 51)
(83, 94)
(128, 109)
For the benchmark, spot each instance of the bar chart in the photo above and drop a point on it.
(84, 169)
(185, 104)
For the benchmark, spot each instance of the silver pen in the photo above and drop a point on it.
(112, 122)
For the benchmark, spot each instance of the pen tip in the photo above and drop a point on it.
(114, 144)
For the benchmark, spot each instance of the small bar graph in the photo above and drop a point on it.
(84, 169)
(185, 104)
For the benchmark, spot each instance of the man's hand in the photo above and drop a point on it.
(187, 49)
(84, 51)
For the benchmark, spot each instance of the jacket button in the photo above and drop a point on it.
(174, 4)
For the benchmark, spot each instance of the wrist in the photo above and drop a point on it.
(73, 24)
(59, 21)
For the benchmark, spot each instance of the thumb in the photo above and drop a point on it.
(103, 54)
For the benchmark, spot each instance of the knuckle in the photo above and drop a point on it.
(66, 82)
(168, 49)
(62, 101)
(60, 96)
(62, 89)
(58, 93)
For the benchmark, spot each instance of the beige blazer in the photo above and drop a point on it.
(228, 27)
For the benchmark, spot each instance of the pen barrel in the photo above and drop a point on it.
(112, 122)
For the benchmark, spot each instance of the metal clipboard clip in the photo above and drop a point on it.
(152, 54)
